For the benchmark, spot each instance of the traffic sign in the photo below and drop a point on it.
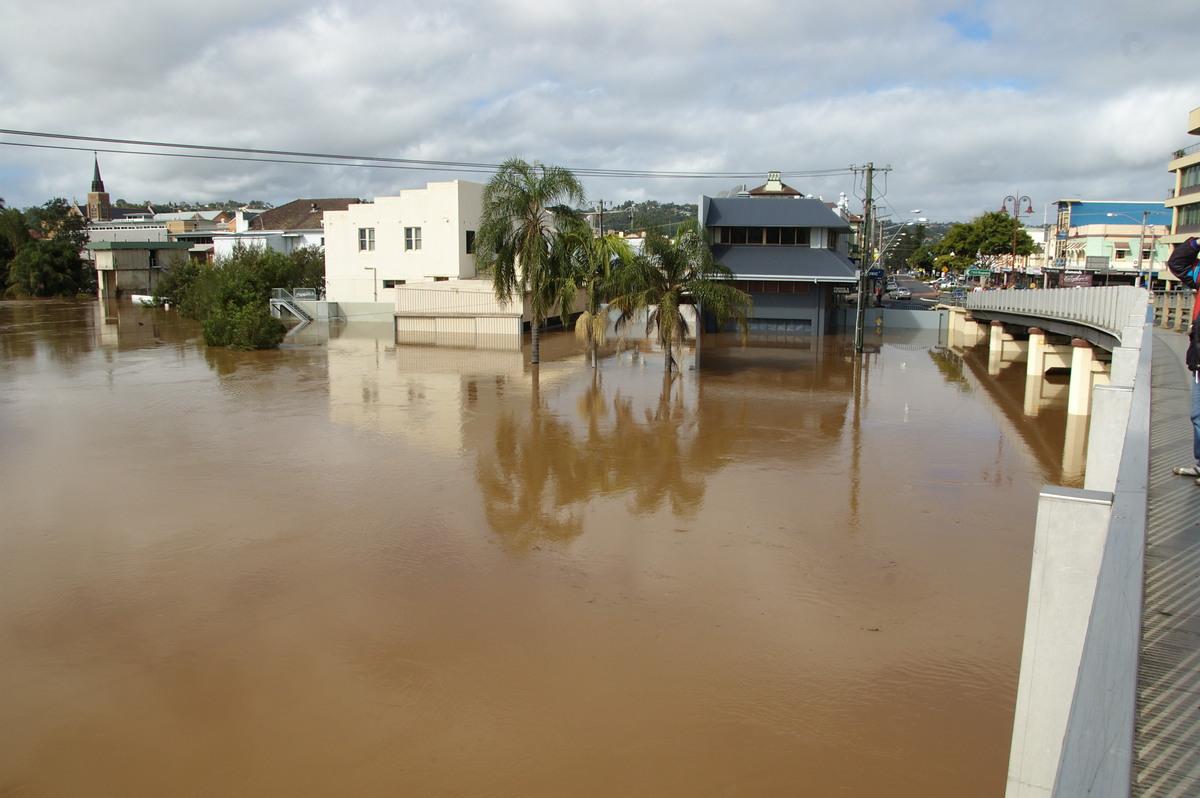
(978, 272)
(875, 274)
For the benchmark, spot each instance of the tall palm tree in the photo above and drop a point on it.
(671, 274)
(591, 262)
(522, 204)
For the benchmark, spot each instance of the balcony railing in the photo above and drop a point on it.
(1185, 152)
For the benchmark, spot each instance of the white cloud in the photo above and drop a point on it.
(966, 101)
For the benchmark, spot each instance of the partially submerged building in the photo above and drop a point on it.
(788, 251)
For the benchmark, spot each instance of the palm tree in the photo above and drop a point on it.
(673, 273)
(591, 262)
(522, 204)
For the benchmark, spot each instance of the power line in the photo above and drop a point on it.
(366, 161)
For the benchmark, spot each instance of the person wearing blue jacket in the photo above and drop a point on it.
(1184, 263)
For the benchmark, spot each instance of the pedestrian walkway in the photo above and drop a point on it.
(1167, 735)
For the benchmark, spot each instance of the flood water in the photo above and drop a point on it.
(352, 568)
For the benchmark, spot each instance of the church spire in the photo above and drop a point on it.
(99, 209)
(97, 183)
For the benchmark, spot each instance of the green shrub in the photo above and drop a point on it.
(243, 327)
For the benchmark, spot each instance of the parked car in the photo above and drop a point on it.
(900, 293)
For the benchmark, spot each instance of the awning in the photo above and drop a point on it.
(1074, 245)
(1121, 245)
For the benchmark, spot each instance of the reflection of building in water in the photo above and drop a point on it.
(125, 325)
(418, 393)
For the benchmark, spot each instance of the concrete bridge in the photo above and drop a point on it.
(1108, 702)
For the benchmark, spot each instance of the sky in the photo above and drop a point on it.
(957, 105)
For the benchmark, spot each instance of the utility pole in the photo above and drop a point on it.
(866, 258)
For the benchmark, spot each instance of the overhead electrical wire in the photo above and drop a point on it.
(362, 161)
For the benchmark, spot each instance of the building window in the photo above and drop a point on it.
(412, 238)
(1189, 177)
(470, 242)
(764, 236)
(392, 283)
(366, 239)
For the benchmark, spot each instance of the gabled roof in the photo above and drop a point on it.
(301, 214)
(752, 212)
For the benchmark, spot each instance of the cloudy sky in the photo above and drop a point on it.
(966, 101)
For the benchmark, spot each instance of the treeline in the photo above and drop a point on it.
(40, 252)
(231, 297)
(175, 207)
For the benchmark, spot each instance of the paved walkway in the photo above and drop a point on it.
(1167, 738)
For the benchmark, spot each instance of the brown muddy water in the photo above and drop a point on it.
(351, 568)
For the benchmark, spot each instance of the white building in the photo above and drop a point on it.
(422, 235)
(284, 229)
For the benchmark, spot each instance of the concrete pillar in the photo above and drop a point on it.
(995, 348)
(1068, 546)
(1074, 459)
(1035, 370)
(1079, 400)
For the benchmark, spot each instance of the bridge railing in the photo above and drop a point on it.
(1105, 308)
(1076, 697)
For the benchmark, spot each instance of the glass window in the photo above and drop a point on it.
(412, 238)
(366, 239)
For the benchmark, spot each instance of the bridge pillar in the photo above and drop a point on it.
(963, 331)
(996, 340)
(1083, 362)
(1035, 367)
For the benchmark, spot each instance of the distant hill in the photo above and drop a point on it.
(630, 216)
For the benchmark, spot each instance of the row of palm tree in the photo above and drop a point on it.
(537, 246)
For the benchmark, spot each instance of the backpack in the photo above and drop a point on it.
(1183, 263)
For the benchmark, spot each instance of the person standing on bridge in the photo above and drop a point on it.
(1184, 263)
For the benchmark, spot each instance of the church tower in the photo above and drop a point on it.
(98, 207)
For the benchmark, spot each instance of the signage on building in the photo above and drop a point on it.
(875, 274)
(1096, 263)
(1075, 280)
(975, 271)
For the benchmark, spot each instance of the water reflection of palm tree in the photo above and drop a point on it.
(540, 473)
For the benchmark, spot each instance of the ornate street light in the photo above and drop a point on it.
(1016, 215)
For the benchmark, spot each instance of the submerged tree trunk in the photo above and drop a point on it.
(534, 350)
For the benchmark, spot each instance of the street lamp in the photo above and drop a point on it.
(1141, 245)
(1016, 215)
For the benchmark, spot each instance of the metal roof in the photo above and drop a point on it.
(769, 212)
(786, 263)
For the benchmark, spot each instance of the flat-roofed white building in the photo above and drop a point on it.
(422, 235)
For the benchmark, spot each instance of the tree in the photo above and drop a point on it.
(58, 219)
(231, 298)
(14, 236)
(41, 251)
(671, 274)
(982, 240)
(47, 268)
(522, 206)
(591, 262)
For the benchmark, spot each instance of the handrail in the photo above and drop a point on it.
(1106, 308)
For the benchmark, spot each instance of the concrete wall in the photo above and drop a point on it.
(1077, 695)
